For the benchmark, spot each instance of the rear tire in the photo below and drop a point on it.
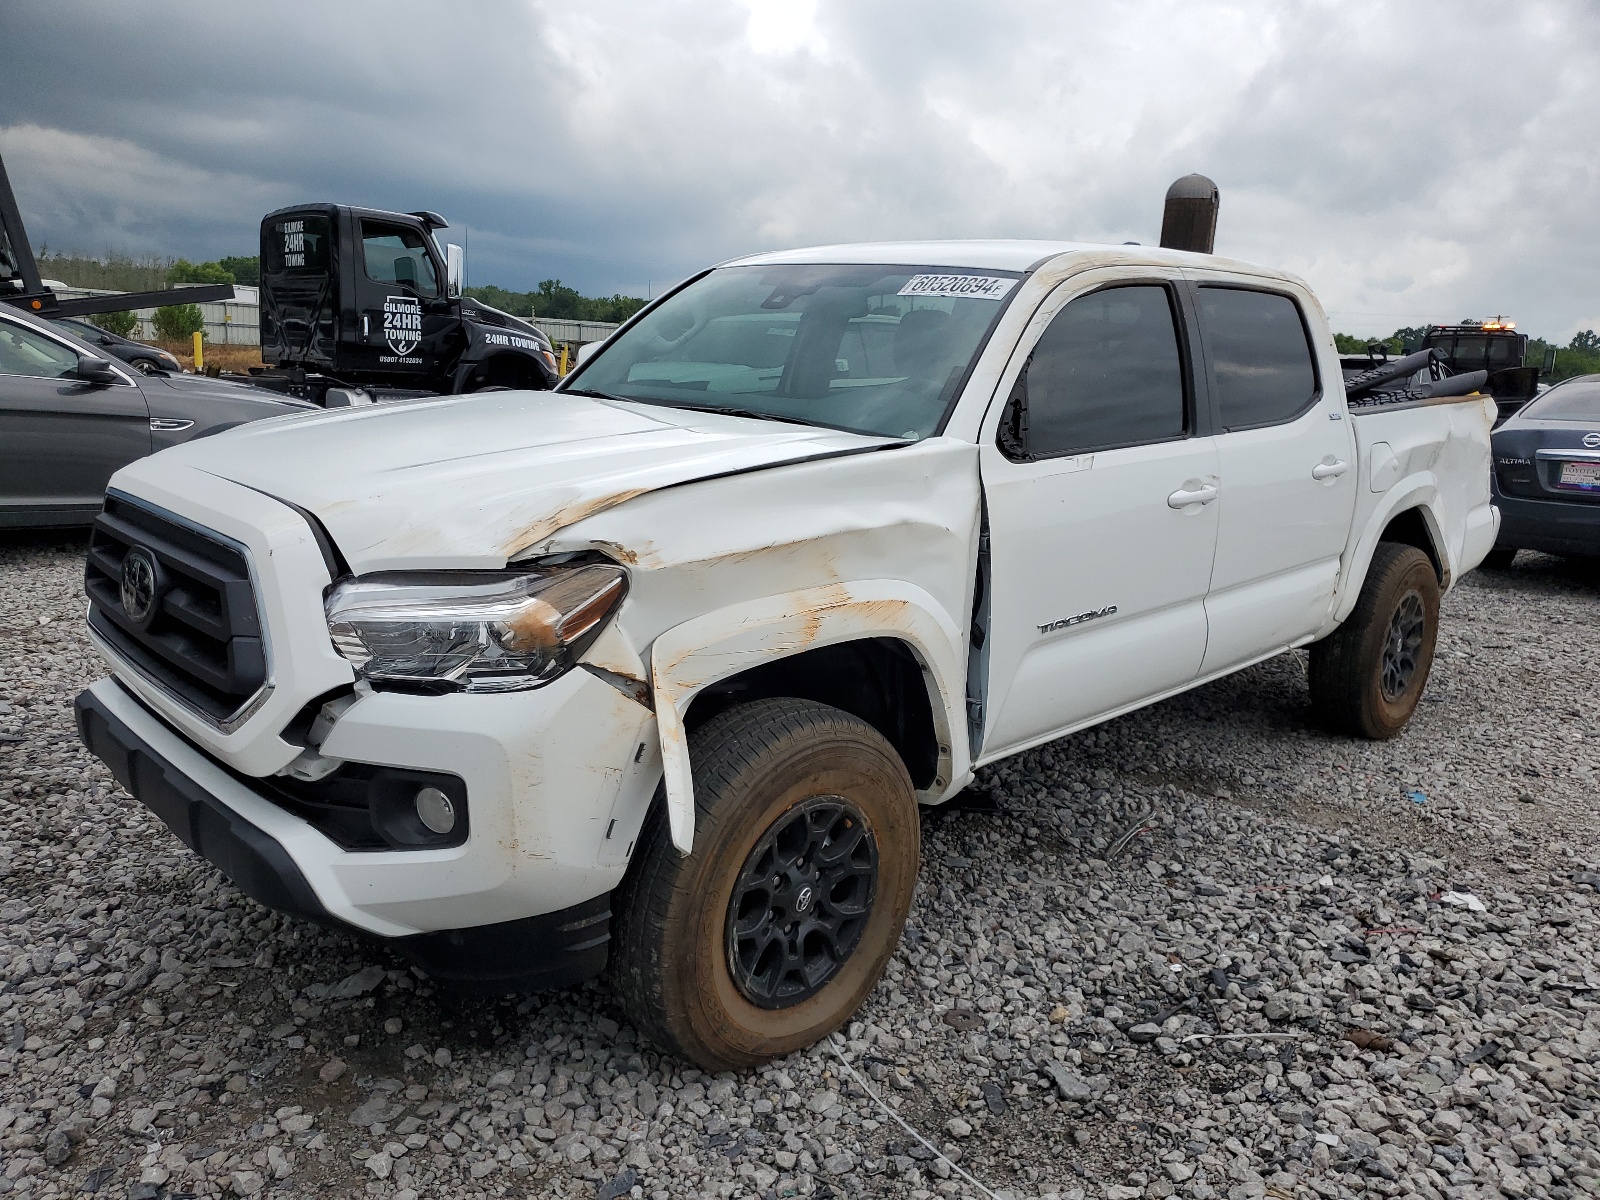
(1368, 675)
(713, 958)
(1499, 558)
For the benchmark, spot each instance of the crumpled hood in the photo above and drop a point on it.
(472, 481)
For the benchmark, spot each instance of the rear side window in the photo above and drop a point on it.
(296, 246)
(396, 255)
(1260, 356)
(1106, 373)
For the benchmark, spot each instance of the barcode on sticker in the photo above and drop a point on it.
(967, 287)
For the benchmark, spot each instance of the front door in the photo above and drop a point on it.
(401, 309)
(60, 438)
(1101, 493)
(1286, 455)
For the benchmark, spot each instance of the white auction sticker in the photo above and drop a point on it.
(969, 287)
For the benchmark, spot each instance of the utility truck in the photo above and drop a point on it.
(650, 674)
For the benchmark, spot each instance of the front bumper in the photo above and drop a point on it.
(211, 812)
(1552, 526)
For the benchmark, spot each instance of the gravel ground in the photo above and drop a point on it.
(1200, 951)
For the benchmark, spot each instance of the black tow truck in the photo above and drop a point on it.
(1492, 347)
(360, 305)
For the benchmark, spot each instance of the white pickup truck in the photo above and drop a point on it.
(650, 674)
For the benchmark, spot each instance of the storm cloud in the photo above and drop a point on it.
(1415, 162)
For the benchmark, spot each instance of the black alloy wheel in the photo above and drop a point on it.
(146, 366)
(1402, 648)
(801, 902)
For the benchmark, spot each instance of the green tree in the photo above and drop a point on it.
(184, 271)
(1346, 344)
(178, 321)
(1587, 342)
(1409, 337)
(555, 299)
(243, 269)
(120, 323)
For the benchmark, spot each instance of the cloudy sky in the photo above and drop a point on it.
(1416, 161)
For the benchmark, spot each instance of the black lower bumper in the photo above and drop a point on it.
(1553, 526)
(550, 950)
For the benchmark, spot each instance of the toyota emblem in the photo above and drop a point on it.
(140, 585)
(802, 902)
(1592, 440)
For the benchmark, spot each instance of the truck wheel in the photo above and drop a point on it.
(772, 932)
(1499, 558)
(1367, 676)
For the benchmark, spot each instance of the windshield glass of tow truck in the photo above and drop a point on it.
(872, 349)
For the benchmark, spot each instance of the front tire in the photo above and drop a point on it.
(1368, 675)
(770, 935)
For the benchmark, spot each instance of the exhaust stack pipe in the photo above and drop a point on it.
(1189, 221)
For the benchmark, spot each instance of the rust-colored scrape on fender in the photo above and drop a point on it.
(571, 514)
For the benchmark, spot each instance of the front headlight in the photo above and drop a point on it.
(483, 631)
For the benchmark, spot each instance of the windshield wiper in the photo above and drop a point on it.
(595, 394)
(705, 408)
(733, 412)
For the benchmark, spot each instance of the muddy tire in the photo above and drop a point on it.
(1367, 676)
(1499, 558)
(773, 931)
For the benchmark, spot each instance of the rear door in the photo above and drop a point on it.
(1286, 456)
(1102, 521)
(60, 438)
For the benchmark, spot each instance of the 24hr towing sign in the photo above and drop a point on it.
(402, 329)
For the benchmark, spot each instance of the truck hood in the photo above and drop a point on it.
(474, 481)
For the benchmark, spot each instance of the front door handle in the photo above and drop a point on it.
(1184, 497)
(1327, 470)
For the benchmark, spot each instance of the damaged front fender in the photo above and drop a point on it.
(699, 652)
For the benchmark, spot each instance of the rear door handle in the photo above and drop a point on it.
(1329, 470)
(1184, 497)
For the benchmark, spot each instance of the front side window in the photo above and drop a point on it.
(873, 349)
(24, 352)
(1106, 373)
(398, 256)
(1260, 356)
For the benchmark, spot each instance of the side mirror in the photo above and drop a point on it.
(455, 268)
(587, 351)
(97, 371)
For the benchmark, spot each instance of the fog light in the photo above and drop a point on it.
(435, 810)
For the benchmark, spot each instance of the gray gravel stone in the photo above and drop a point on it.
(165, 1027)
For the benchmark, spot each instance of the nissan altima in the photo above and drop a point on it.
(1547, 474)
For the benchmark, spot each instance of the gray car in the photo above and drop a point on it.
(69, 418)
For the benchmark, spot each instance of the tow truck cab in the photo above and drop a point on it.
(1493, 346)
(365, 299)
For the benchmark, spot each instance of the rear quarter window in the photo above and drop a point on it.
(296, 246)
(1261, 361)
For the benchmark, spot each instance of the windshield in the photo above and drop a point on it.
(1575, 400)
(874, 349)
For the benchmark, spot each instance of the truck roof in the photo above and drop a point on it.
(1000, 254)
